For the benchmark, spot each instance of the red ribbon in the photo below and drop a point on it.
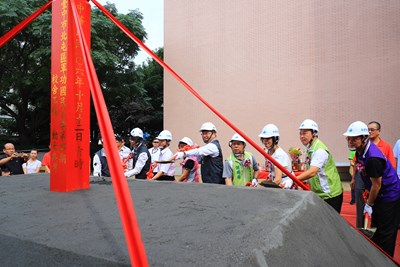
(188, 87)
(14, 31)
(123, 197)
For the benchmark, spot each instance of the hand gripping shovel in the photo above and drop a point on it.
(367, 230)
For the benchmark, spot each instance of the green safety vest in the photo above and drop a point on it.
(326, 183)
(241, 174)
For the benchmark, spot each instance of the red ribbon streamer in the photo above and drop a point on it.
(174, 74)
(130, 225)
(17, 29)
(129, 221)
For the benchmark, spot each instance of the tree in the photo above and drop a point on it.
(25, 70)
(152, 77)
(142, 107)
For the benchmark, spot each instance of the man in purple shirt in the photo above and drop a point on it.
(381, 179)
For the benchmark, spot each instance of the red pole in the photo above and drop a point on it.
(199, 97)
(133, 238)
(14, 31)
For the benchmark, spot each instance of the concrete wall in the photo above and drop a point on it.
(267, 61)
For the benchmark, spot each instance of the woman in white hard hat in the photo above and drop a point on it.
(321, 170)
(165, 171)
(211, 153)
(241, 166)
(381, 179)
(190, 165)
(269, 136)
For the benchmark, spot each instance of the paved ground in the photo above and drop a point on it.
(181, 225)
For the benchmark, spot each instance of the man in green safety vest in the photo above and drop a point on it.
(321, 172)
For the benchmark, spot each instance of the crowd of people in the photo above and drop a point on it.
(374, 167)
(13, 163)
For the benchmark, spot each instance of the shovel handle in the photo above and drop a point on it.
(366, 218)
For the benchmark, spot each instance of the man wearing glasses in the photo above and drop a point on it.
(374, 129)
(154, 151)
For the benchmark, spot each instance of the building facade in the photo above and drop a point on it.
(267, 61)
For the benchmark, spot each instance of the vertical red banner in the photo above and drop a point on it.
(70, 100)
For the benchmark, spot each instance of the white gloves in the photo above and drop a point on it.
(128, 173)
(368, 209)
(179, 155)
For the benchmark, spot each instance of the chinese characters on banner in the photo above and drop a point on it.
(70, 100)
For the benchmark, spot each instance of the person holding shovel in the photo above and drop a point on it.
(210, 153)
(382, 182)
(241, 167)
(190, 165)
(321, 172)
(141, 156)
(269, 136)
(166, 168)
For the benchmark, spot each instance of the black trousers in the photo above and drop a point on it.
(335, 202)
(359, 190)
(386, 218)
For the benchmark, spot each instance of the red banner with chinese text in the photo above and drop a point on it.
(70, 100)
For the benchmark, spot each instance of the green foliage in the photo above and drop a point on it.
(24, 69)
(152, 76)
(142, 106)
(133, 93)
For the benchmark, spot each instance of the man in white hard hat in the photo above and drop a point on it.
(190, 165)
(269, 136)
(141, 156)
(165, 171)
(381, 179)
(321, 172)
(241, 166)
(211, 153)
(374, 130)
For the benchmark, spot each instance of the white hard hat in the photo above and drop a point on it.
(308, 125)
(186, 140)
(357, 128)
(208, 126)
(269, 130)
(165, 135)
(137, 132)
(237, 137)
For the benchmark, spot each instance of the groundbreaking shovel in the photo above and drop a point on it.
(367, 230)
